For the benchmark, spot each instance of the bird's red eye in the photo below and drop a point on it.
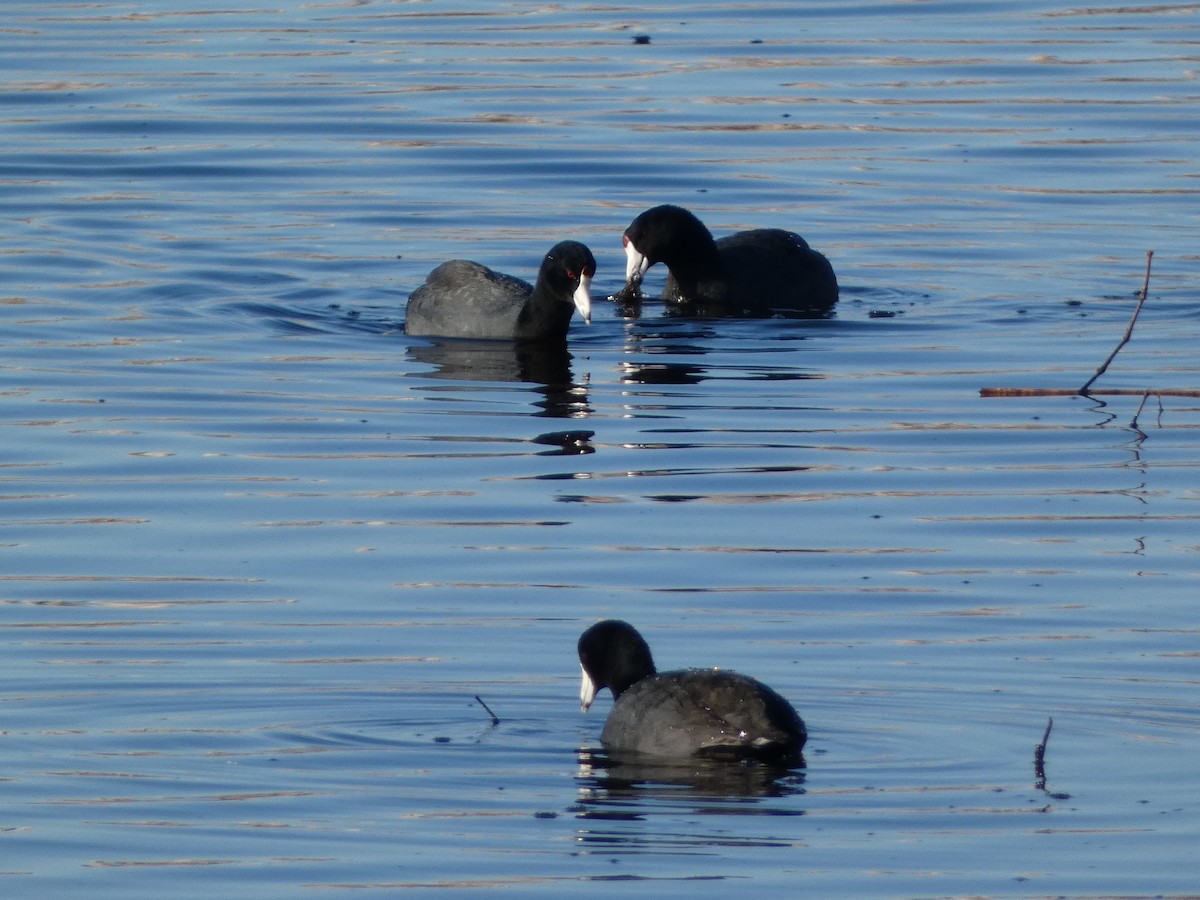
(570, 274)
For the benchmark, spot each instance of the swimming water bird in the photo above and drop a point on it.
(748, 273)
(689, 712)
(463, 299)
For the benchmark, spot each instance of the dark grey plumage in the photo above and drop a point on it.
(464, 299)
(690, 712)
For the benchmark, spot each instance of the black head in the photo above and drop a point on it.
(566, 275)
(660, 233)
(567, 263)
(614, 656)
(671, 235)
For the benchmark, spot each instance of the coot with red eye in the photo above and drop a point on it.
(691, 712)
(757, 272)
(463, 299)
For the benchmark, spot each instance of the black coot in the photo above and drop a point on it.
(747, 273)
(691, 712)
(463, 299)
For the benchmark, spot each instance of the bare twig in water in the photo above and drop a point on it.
(1133, 423)
(1039, 757)
(1086, 389)
(495, 720)
(1072, 392)
(1128, 329)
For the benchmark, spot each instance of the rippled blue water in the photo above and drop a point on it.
(260, 552)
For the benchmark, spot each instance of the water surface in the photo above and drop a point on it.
(260, 551)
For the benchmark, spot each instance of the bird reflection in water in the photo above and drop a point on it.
(634, 790)
(548, 366)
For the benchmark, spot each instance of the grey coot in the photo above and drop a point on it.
(748, 273)
(463, 299)
(690, 712)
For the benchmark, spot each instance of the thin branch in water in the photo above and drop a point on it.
(1101, 392)
(1086, 391)
(495, 720)
(1133, 423)
(1039, 757)
(1129, 328)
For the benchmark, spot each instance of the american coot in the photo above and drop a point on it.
(691, 712)
(750, 272)
(463, 299)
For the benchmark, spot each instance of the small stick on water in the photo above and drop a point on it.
(1133, 423)
(1071, 392)
(1086, 389)
(1039, 756)
(1128, 329)
(495, 720)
